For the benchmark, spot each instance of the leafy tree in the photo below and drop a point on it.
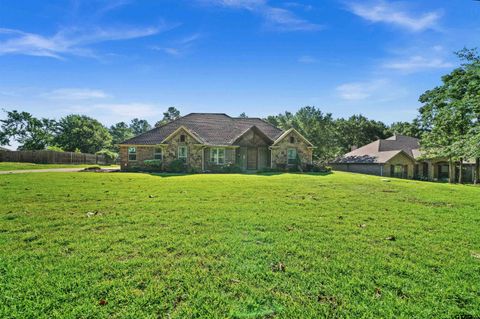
(284, 121)
(170, 115)
(120, 132)
(451, 114)
(243, 115)
(55, 148)
(109, 155)
(83, 133)
(358, 130)
(412, 129)
(317, 127)
(32, 133)
(139, 126)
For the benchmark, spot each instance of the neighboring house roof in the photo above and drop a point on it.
(4, 149)
(383, 150)
(208, 128)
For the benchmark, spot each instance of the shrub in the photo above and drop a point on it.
(110, 156)
(134, 168)
(55, 148)
(293, 169)
(177, 166)
(268, 170)
(153, 165)
(231, 168)
(318, 167)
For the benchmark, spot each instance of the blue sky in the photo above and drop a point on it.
(120, 59)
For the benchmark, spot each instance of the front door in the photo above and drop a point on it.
(252, 155)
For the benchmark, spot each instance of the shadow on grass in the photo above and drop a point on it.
(266, 174)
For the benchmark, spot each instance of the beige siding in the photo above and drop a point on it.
(400, 159)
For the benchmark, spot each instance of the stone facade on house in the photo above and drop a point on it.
(292, 140)
(214, 140)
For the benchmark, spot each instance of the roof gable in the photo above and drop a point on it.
(209, 128)
(287, 132)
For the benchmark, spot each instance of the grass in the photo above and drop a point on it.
(13, 166)
(123, 245)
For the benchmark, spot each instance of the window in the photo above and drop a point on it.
(182, 153)
(182, 138)
(398, 171)
(292, 139)
(217, 155)
(132, 153)
(292, 156)
(157, 153)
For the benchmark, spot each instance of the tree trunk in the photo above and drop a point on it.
(451, 175)
(477, 171)
(460, 174)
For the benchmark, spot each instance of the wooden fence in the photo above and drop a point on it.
(52, 157)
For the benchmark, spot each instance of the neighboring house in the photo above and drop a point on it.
(4, 149)
(209, 140)
(397, 156)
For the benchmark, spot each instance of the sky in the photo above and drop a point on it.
(120, 59)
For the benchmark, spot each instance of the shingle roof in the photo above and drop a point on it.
(381, 151)
(211, 128)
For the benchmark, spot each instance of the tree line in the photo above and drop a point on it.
(87, 135)
(72, 133)
(448, 124)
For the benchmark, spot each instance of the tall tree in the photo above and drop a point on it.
(30, 132)
(120, 132)
(451, 114)
(83, 133)
(170, 115)
(139, 126)
(412, 129)
(317, 127)
(358, 130)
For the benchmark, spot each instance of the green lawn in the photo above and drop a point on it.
(125, 245)
(13, 166)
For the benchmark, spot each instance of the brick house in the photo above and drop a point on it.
(205, 141)
(398, 156)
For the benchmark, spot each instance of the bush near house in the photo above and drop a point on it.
(177, 166)
(110, 156)
(153, 165)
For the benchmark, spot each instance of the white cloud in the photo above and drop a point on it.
(307, 59)
(354, 91)
(417, 63)
(278, 19)
(284, 20)
(394, 13)
(243, 4)
(129, 110)
(181, 46)
(75, 94)
(110, 113)
(306, 7)
(70, 41)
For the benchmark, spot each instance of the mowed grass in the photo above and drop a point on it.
(237, 246)
(14, 166)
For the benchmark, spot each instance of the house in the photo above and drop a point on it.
(398, 156)
(205, 141)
